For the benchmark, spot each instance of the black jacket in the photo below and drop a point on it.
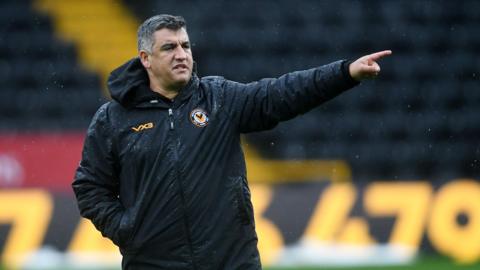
(165, 180)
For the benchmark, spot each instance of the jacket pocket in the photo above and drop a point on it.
(125, 230)
(243, 201)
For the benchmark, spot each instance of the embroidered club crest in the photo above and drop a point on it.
(199, 117)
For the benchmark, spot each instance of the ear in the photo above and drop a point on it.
(145, 59)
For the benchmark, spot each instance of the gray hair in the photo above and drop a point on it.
(145, 31)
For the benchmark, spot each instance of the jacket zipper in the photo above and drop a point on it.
(180, 187)
(170, 116)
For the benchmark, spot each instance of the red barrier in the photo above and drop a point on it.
(39, 160)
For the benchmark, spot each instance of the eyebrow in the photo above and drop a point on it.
(173, 43)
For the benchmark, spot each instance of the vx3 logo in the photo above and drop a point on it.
(143, 127)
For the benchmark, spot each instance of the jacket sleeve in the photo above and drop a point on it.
(263, 104)
(95, 184)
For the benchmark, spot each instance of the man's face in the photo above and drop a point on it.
(171, 61)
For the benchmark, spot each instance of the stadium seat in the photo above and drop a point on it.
(40, 75)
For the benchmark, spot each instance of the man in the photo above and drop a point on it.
(163, 174)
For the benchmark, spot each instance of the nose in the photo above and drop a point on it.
(180, 53)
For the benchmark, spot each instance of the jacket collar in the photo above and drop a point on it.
(147, 98)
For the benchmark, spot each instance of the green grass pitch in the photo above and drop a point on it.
(424, 263)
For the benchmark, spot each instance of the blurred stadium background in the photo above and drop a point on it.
(384, 175)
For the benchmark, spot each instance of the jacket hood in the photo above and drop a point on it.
(129, 85)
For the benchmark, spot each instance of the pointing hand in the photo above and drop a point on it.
(366, 67)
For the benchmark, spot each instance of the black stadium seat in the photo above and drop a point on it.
(41, 81)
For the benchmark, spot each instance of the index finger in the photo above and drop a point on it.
(378, 55)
